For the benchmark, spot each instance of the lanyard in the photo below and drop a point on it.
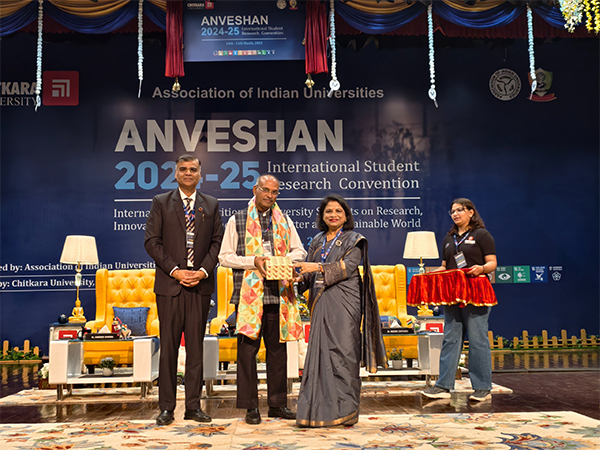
(264, 233)
(456, 244)
(325, 254)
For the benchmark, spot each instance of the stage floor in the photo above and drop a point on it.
(533, 388)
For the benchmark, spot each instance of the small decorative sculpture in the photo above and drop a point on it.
(124, 332)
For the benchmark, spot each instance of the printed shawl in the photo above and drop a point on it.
(250, 308)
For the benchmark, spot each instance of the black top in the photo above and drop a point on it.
(475, 247)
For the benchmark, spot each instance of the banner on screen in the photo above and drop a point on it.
(243, 31)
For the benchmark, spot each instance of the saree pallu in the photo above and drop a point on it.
(450, 287)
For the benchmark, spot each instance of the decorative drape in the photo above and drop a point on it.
(315, 38)
(368, 16)
(81, 16)
(174, 57)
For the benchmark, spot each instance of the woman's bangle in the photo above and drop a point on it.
(320, 267)
(483, 267)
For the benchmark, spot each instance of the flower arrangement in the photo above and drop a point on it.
(395, 354)
(107, 363)
(44, 372)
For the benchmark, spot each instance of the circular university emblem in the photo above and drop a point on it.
(281, 4)
(505, 84)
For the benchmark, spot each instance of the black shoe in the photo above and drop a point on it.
(165, 418)
(284, 412)
(196, 414)
(253, 416)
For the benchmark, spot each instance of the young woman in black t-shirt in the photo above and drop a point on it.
(467, 245)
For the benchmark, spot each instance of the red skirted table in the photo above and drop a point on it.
(450, 287)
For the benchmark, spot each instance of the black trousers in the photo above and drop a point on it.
(186, 313)
(247, 377)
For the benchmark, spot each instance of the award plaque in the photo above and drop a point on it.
(279, 268)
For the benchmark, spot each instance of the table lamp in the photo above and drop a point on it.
(79, 250)
(421, 245)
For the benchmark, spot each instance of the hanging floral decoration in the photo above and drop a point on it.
(140, 44)
(592, 14)
(334, 84)
(432, 91)
(573, 10)
(38, 72)
(531, 53)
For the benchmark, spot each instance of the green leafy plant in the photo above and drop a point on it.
(395, 354)
(15, 355)
(107, 363)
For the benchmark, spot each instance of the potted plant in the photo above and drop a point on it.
(395, 356)
(107, 365)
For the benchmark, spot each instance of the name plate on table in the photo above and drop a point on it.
(279, 268)
(401, 330)
(100, 336)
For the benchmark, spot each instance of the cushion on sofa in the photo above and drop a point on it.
(134, 318)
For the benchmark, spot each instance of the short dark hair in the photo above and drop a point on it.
(348, 225)
(476, 220)
(187, 157)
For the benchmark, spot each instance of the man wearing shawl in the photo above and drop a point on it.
(264, 308)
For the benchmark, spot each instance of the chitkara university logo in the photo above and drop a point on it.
(505, 84)
(60, 88)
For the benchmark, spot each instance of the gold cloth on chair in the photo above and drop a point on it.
(450, 287)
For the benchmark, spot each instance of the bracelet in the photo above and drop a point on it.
(320, 267)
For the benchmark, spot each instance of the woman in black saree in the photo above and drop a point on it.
(345, 329)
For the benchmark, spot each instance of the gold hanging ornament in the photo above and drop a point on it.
(176, 86)
(309, 82)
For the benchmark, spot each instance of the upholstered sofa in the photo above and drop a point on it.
(390, 287)
(122, 289)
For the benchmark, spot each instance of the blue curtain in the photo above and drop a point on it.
(495, 17)
(551, 15)
(97, 25)
(18, 20)
(378, 23)
(156, 15)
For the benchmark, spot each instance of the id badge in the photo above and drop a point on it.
(460, 260)
(319, 280)
(266, 248)
(189, 240)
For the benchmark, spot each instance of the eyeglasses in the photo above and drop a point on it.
(455, 211)
(268, 191)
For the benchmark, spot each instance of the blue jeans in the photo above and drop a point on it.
(458, 322)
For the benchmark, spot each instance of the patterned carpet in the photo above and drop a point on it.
(130, 395)
(502, 431)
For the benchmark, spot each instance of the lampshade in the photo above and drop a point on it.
(420, 244)
(79, 249)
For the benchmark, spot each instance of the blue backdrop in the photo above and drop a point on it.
(531, 168)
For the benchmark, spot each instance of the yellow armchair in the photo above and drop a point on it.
(124, 289)
(390, 287)
(224, 293)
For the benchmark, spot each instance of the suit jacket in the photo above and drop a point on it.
(166, 236)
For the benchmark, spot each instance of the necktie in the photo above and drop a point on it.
(189, 228)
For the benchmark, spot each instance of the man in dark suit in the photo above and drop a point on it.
(183, 235)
